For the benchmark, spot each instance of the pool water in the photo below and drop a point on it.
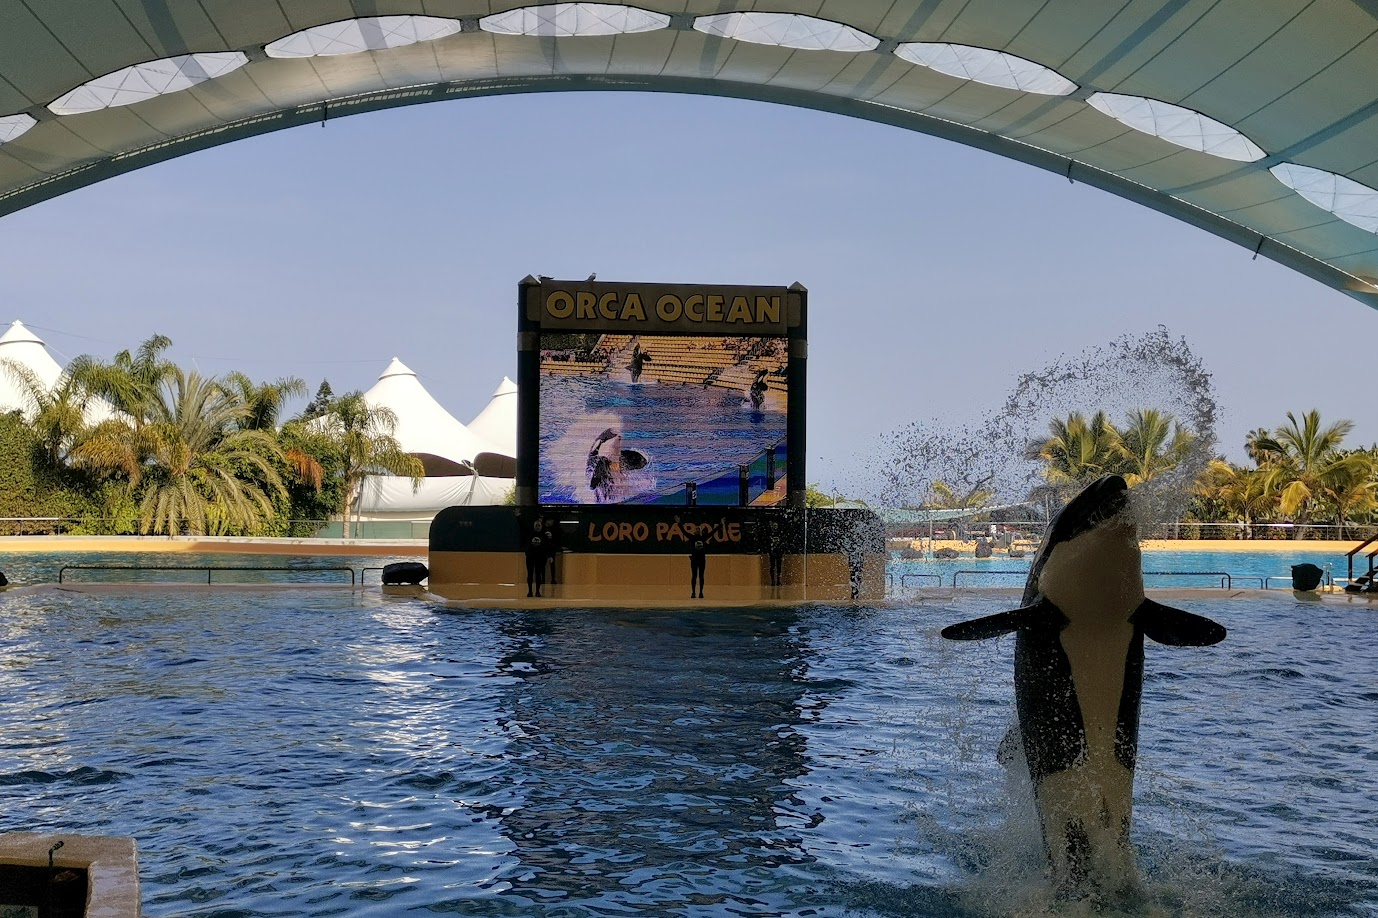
(1162, 569)
(307, 752)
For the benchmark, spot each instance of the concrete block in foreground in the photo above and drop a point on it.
(107, 866)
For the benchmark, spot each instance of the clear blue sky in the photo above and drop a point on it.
(937, 274)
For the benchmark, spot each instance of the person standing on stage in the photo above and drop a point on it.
(536, 556)
(698, 559)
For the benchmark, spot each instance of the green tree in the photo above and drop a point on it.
(361, 435)
(815, 496)
(191, 461)
(1238, 494)
(320, 403)
(31, 487)
(1152, 443)
(264, 400)
(1353, 492)
(132, 383)
(943, 497)
(1251, 445)
(1307, 465)
(1078, 451)
(56, 415)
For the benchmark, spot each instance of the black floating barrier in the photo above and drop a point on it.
(62, 571)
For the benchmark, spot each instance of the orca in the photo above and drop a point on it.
(1078, 682)
(606, 462)
(756, 392)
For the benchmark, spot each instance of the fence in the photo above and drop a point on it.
(1032, 531)
(1020, 530)
(300, 529)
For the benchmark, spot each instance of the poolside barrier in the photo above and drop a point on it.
(62, 571)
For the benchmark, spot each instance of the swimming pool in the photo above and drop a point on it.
(1162, 569)
(306, 752)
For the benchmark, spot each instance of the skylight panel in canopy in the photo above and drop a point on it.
(982, 65)
(11, 126)
(568, 20)
(789, 30)
(145, 81)
(351, 36)
(1178, 125)
(1345, 198)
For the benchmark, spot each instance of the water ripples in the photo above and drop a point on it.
(307, 753)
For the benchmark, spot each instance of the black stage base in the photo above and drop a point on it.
(625, 554)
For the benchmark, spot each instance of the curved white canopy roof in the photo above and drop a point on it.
(497, 422)
(1254, 119)
(424, 428)
(22, 347)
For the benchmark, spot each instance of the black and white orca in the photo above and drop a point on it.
(1078, 681)
(607, 461)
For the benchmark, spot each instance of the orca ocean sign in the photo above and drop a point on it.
(666, 394)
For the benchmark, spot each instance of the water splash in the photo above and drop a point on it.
(1151, 370)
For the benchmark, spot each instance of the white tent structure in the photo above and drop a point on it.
(497, 422)
(424, 428)
(448, 450)
(21, 347)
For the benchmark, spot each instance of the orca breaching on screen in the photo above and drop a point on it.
(1078, 680)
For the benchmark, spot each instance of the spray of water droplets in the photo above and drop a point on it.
(1152, 370)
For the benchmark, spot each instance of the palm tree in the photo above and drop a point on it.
(57, 416)
(362, 435)
(1251, 445)
(1308, 465)
(131, 383)
(264, 400)
(1241, 493)
(1151, 444)
(1353, 492)
(193, 464)
(944, 497)
(1078, 451)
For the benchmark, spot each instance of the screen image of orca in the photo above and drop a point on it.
(1078, 682)
(608, 441)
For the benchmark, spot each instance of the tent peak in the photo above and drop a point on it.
(396, 368)
(19, 333)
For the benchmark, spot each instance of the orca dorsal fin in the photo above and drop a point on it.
(1041, 613)
(1176, 627)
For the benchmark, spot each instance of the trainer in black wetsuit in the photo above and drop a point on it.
(698, 558)
(535, 559)
(639, 359)
(774, 547)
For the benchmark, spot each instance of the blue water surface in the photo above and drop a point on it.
(1162, 569)
(310, 752)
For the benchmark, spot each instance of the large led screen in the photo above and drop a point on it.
(662, 419)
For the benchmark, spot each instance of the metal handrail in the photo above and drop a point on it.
(1226, 581)
(1023, 573)
(1349, 555)
(904, 578)
(62, 571)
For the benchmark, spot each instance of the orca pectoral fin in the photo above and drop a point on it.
(633, 459)
(978, 629)
(1176, 627)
